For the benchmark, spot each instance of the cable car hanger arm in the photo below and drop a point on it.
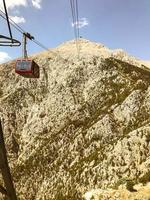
(7, 41)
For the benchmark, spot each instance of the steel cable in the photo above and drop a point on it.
(75, 18)
(22, 31)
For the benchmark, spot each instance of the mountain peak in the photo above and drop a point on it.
(80, 126)
(88, 49)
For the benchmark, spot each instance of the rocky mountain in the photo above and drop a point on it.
(82, 130)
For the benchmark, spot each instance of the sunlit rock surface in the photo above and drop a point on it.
(141, 193)
(83, 125)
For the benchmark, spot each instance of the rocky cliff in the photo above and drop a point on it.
(84, 125)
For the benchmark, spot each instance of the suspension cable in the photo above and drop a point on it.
(77, 11)
(76, 22)
(75, 18)
(7, 19)
(22, 31)
(2, 15)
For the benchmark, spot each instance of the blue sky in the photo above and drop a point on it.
(115, 23)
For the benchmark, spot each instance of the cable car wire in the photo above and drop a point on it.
(22, 31)
(77, 12)
(73, 9)
(5, 40)
(6, 13)
(78, 32)
(18, 28)
(75, 19)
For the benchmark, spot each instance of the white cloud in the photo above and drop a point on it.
(4, 57)
(17, 19)
(81, 23)
(37, 3)
(14, 3)
(11, 4)
(15, 12)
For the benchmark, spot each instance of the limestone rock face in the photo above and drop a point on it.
(142, 192)
(84, 124)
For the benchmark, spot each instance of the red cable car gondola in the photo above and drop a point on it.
(25, 67)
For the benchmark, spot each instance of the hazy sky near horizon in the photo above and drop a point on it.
(121, 24)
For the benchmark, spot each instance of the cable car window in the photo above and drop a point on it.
(24, 65)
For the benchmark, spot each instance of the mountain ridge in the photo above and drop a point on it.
(84, 124)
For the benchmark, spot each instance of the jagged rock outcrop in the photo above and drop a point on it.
(141, 192)
(84, 124)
